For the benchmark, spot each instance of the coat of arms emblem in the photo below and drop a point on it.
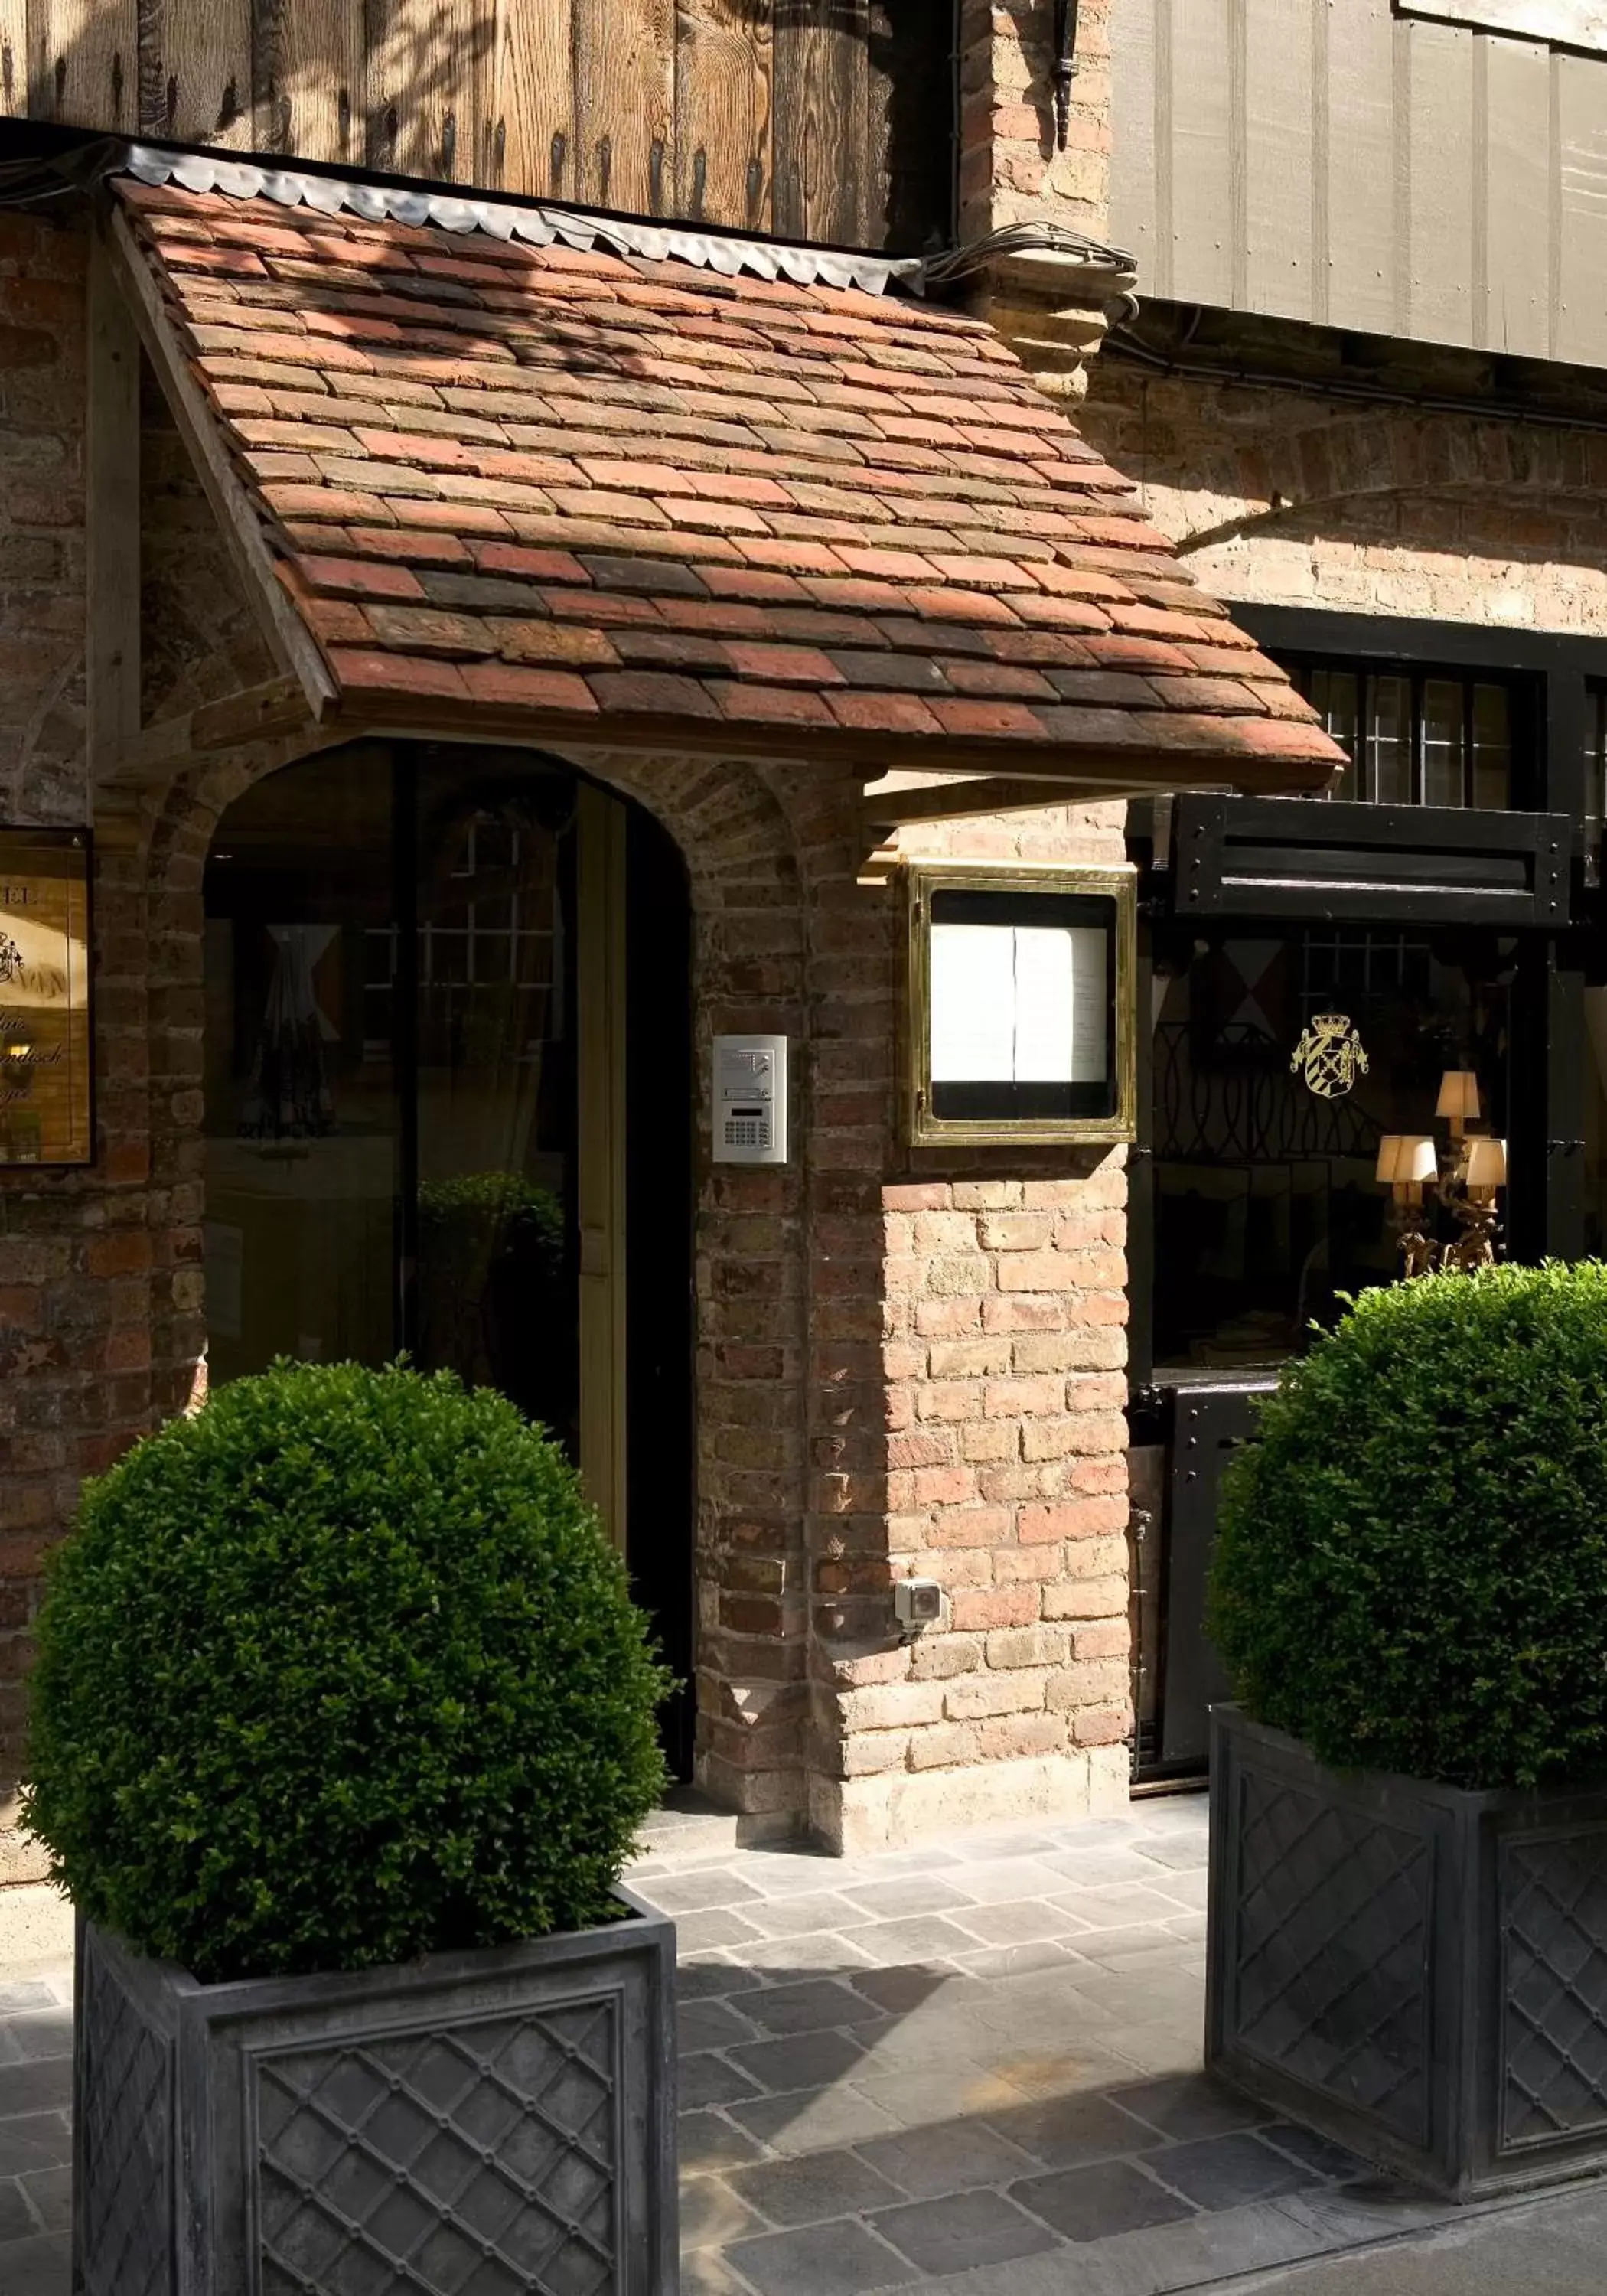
(11, 958)
(1330, 1056)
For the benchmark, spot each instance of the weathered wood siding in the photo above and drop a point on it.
(821, 120)
(1332, 161)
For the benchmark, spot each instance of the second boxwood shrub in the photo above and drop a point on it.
(336, 1672)
(1412, 1565)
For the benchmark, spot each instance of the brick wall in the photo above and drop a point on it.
(1010, 168)
(1283, 496)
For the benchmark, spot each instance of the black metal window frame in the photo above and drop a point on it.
(1558, 668)
(1417, 677)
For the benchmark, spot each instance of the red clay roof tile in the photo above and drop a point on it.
(631, 494)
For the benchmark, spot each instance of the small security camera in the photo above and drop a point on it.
(917, 1603)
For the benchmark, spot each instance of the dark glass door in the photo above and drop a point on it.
(446, 989)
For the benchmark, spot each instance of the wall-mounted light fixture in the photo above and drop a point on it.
(1467, 1182)
(1020, 1012)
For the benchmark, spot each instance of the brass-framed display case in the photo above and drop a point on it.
(47, 1081)
(1019, 1021)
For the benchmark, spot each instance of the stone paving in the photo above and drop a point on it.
(976, 2063)
(978, 2059)
(35, 2094)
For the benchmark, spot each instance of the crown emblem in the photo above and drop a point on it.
(1330, 1056)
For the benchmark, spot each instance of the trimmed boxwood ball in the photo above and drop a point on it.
(336, 1672)
(1411, 1570)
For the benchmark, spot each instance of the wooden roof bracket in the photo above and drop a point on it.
(293, 704)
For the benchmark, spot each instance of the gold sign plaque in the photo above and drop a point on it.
(46, 1115)
(1021, 1004)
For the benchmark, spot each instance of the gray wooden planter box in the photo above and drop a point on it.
(1417, 1971)
(476, 2124)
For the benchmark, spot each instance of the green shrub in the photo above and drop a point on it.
(1412, 1567)
(337, 1672)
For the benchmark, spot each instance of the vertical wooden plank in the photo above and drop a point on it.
(723, 63)
(600, 1150)
(1518, 177)
(1440, 64)
(822, 96)
(1133, 174)
(111, 493)
(1165, 151)
(306, 63)
(83, 63)
(195, 72)
(1579, 228)
(910, 154)
(1201, 111)
(1278, 159)
(530, 117)
(427, 71)
(1359, 191)
(625, 104)
(13, 59)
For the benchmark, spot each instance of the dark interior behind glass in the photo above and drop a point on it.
(1266, 1205)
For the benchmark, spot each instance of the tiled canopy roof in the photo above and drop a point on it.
(631, 501)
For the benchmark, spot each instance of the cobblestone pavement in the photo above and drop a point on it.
(976, 2062)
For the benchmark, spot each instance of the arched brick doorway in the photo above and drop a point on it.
(449, 1107)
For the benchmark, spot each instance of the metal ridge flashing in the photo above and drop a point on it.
(541, 222)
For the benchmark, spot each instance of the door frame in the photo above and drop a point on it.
(602, 828)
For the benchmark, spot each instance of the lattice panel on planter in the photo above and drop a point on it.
(124, 2115)
(1330, 1983)
(1553, 1942)
(478, 2158)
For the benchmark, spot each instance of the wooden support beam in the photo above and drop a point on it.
(291, 641)
(904, 799)
(273, 714)
(112, 487)
(276, 706)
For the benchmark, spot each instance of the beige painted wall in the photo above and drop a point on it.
(1334, 162)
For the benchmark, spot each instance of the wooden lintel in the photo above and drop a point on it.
(287, 636)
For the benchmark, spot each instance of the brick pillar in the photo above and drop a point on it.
(968, 1351)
